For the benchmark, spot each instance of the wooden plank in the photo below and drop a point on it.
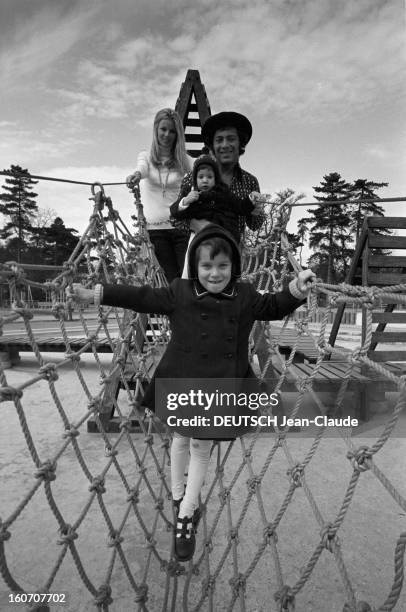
(385, 278)
(192, 122)
(387, 242)
(389, 222)
(193, 138)
(387, 355)
(389, 317)
(387, 261)
(389, 337)
(349, 279)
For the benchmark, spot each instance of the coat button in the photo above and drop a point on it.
(204, 335)
(228, 355)
(204, 315)
(204, 355)
(230, 338)
(232, 319)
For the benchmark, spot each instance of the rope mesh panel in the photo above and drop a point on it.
(94, 516)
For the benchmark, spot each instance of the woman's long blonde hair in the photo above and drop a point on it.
(179, 158)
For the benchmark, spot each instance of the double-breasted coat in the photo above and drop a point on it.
(209, 332)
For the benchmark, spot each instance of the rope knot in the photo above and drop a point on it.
(253, 484)
(328, 536)
(133, 496)
(94, 405)
(58, 310)
(103, 596)
(159, 504)
(25, 313)
(48, 372)
(149, 440)
(286, 599)
(238, 583)
(71, 432)
(296, 474)
(270, 533)
(125, 424)
(208, 584)
(110, 452)
(8, 394)
(224, 495)
(304, 384)
(114, 539)
(72, 356)
(67, 535)
(142, 594)
(233, 534)
(47, 471)
(98, 485)
(360, 458)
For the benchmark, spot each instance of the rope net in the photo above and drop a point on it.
(288, 520)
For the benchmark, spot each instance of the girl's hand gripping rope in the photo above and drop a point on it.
(80, 294)
(305, 281)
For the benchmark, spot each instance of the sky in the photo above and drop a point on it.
(322, 82)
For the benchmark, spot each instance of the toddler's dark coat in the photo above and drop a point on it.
(209, 332)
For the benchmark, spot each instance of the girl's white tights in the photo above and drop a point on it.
(199, 462)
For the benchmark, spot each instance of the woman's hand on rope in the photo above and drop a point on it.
(80, 293)
(305, 280)
(133, 179)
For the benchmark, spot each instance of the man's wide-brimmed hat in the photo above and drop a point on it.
(225, 120)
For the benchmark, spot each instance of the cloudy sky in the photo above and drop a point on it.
(322, 81)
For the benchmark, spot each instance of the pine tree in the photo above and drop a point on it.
(59, 242)
(359, 190)
(330, 229)
(17, 202)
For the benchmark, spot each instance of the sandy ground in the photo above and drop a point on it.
(373, 522)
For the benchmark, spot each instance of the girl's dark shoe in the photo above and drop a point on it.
(185, 541)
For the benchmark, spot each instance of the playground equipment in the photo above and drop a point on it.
(290, 518)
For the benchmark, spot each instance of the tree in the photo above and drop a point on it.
(359, 190)
(330, 229)
(17, 202)
(59, 242)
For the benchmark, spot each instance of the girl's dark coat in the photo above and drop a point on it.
(209, 332)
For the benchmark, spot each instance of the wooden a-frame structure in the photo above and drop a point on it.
(193, 107)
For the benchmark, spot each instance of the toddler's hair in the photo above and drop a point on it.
(216, 246)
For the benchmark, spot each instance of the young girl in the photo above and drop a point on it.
(161, 172)
(211, 315)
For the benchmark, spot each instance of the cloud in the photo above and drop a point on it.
(377, 151)
(37, 43)
(28, 146)
(292, 59)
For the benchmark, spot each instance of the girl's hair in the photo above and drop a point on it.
(216, 246)
(179, 159)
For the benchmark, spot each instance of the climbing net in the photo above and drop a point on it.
(275, 503)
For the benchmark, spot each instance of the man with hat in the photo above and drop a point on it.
(226, 134)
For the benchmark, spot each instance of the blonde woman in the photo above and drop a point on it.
(160, 173)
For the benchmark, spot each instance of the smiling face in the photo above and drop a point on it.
(205, 178)
(166, 134)
(214, 273)
(226, 146)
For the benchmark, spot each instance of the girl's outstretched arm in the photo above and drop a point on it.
(141, 299)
